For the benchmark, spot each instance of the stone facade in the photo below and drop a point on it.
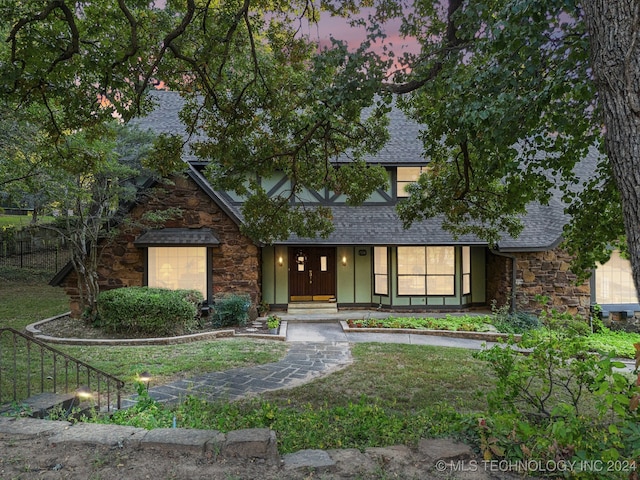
(545, 273)
(236, 261)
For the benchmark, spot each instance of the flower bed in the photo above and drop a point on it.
(468, 323)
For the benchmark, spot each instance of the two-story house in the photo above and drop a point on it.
(369, 261)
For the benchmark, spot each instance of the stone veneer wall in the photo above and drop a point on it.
(538, 273)
(236, 261)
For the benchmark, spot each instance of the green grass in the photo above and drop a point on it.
(167, 363)
(391, 394)
(21, 220)
(26, 298)
(403, 376)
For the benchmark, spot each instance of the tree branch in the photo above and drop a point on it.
(133, 45)
(451, 43)
(72, 48)
(467, 171)
(167, 44)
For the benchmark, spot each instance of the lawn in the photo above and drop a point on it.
(381, 370)
(21, 220)
(25, 298)
(391, 394)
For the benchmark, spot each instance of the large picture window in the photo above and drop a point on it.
(426, 270)
(178, 268)
(380, 271)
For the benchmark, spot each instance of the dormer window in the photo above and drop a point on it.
(407, 176)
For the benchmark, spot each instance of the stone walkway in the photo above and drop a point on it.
(314, 350)
(303, 362)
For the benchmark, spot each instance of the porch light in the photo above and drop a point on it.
(344, 260)
(280, 260)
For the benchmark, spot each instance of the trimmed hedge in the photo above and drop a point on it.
(144, 310)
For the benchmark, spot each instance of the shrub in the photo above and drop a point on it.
(231, 309)
(146, 310)
(470, 323)
(273, 322)
(517, 322)
(561, 403)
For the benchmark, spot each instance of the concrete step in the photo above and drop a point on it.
(39, 406)
(312, 308)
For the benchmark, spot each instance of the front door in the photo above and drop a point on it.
(312, 274)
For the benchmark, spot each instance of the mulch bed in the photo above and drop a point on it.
(67, 327)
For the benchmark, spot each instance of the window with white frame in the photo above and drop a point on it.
(466, 270)
(426, 270)
(380, 271)
(406, 176)
(178, 268)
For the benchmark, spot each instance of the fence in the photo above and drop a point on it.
(49, 255)
(29, 366)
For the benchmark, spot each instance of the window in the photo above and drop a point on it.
(380, 271)
(323, 263)
(614, 283)
(178, 268)
(407, 176)
(426, 270)
(466, 270)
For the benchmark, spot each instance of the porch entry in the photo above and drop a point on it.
(312, 274)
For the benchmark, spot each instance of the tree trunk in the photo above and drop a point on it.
(614, 36)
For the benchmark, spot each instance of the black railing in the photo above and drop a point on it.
(29, 366)
(49, 256)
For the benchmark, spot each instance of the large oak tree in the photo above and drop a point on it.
(512, 95)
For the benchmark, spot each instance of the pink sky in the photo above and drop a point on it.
(340, 29)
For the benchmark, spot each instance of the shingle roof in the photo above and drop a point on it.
(403, 147)
(380, 225)
(165, 119)
(368, 224)
(177, 236)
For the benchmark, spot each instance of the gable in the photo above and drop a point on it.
(543, 224)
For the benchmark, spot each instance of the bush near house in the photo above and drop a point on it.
(144, 310)
(231, 310)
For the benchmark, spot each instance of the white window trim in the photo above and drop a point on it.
(423, 278)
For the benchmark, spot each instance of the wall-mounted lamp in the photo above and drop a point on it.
(344, 260)
(280, 261)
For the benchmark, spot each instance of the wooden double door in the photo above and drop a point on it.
(312, 274)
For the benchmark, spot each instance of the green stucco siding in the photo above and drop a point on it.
(345, 275)
(268, 275)
(364, 274)
(275, 277)
(478, 275)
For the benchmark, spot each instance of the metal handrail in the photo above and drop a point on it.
(46, 379)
